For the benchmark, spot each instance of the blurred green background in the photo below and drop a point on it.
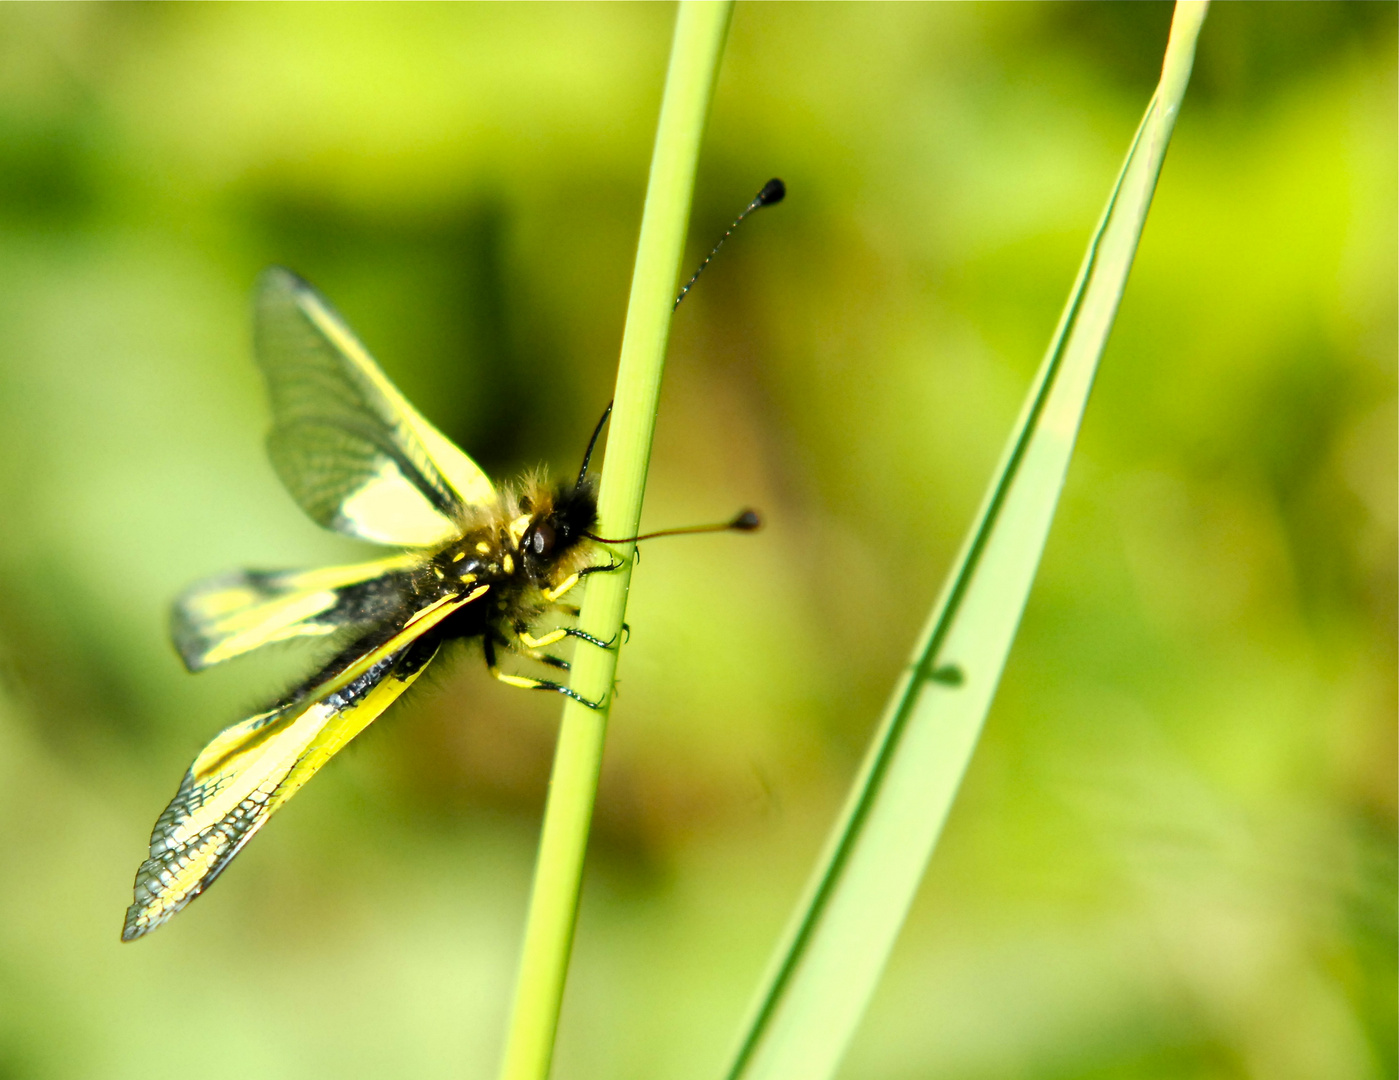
(1174, 855)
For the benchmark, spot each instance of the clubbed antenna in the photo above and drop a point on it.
(772, 193)
(745, 521)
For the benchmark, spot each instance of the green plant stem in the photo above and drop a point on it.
(700, 28)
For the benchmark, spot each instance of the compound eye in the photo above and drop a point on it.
(540, 541)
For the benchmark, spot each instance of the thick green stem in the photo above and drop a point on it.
(700, 29)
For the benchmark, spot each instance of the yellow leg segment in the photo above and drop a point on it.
(526, 683)
(553, 594)
(516, 680)
(531, 642)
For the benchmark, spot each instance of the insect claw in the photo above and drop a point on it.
(615, 564)
(582, 635)
(570, 693)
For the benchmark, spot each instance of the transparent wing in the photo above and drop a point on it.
(250, 770)
(351, 450)
(235, 613)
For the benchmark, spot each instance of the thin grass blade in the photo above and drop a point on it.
(835, 949)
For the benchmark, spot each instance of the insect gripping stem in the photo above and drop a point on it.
(696, 49)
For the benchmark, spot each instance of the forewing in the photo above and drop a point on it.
(349, 447)
(251, 769)
(235, 613)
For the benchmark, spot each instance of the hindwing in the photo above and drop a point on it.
(232, 614)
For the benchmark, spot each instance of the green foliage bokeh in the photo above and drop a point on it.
(1174, 853)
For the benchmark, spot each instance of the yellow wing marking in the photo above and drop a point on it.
(415, 628)
(423, 613)
(465, 476)
(349, 447)
(385, 497)
(251, 769)
(230, 615)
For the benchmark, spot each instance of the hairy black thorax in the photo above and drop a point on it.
(529, 546)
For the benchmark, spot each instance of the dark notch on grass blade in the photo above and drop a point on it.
(948, 675)
(773, 193)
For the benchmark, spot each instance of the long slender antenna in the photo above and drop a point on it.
(747, 521)
(772, 193)
(588, 454)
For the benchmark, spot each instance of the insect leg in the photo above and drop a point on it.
(616, 564)
(552, 594)
(564, 586)
(581, 635)
(526, 683)
(532, 642)
(575, 611)
(531, 649)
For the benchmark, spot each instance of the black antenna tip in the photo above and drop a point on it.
(774, 191)
(749, 520)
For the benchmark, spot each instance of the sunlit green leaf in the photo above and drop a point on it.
(828, 965)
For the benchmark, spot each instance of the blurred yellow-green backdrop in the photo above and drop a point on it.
(1174, 855)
